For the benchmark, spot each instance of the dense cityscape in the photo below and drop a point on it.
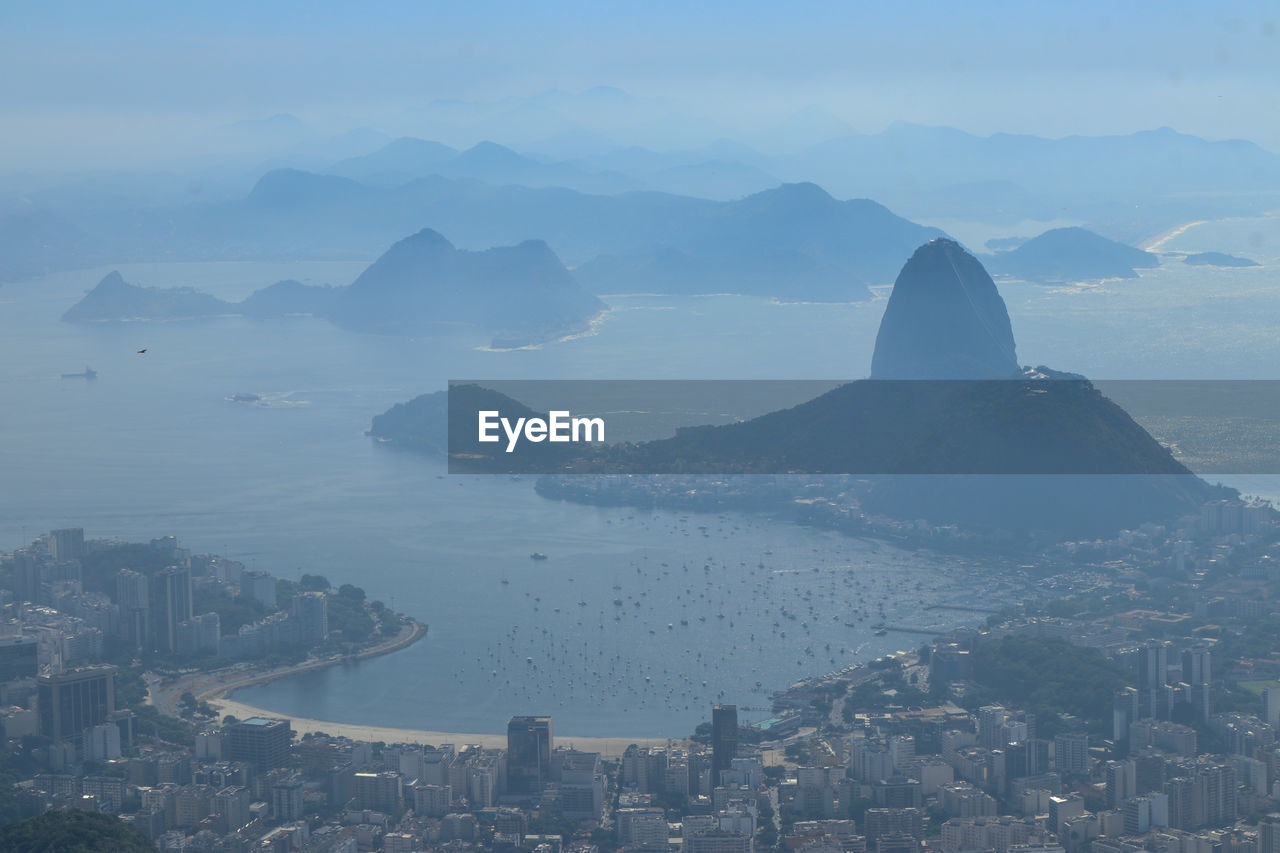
(1135, 710)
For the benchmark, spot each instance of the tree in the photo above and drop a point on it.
(314, 583)
(74, 831)
(1048, 677)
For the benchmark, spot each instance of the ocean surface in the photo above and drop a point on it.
(636, 621)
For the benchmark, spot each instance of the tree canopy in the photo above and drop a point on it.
(74, 831)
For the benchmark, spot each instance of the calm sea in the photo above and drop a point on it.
(637, 621)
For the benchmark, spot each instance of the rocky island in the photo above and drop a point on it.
(522, 294)
(1071, 254)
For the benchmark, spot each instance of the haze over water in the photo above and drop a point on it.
(154, 447)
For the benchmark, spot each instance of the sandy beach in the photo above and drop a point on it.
(216, 688)
(1156, 244)
(609, 747)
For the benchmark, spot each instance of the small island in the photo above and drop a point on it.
(1070, 254)
(1217, 259)
(522, 295)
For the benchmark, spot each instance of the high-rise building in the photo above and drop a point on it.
(200, 634)
(529, 745)
(581, 784)
(67, 544)
(1071, 754)
(169, 603)
(310, 612)
(73, 701)
(1124, 710)
(1151, 670)
(18, 658)
(231, 804)
(134, 600)
(1269, 834)
(1197, 665)
(102, 742)
(382, 792)
(260, 586)
(1122, 782)
(259, 741)
(724, 739)
(26, 576)
(1271, 706)
(286, 800)
(434, 800)
(1216, 794)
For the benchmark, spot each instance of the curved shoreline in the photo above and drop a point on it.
(218, 693)
(226, 683)
(214, 686)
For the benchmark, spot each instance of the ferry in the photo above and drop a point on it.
(89, 373)
(537, 555)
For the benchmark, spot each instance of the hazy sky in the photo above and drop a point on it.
(96, 83)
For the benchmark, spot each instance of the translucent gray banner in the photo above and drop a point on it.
(1041, 424)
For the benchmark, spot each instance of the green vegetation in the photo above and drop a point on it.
(15, 766)
(1046, 677)
(348, 618)
(766, 832)
(233, 611)
(131, 693)
(151, 723)
(1256, 687)
(74, 831)
(566, 827)
(1259, 638)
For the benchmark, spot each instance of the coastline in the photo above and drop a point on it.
(1155, 244)
(217, 688)
(609, 747)
(213, 687)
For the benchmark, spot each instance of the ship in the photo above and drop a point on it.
(89, 373)
(537, 555)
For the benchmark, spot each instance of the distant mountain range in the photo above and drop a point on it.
(408, 159)
(943, 172)
(923, 171)
(636, 213)
(794, 242)
(34, 241)
(711, 173)
(420, 285)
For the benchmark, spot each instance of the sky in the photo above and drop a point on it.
(92, 84)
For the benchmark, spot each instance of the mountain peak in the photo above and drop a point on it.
(112, 280)
(299, 187)
(490, 152)
(804, 191)
(788, 198)
(426, 240)
(945, 320)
